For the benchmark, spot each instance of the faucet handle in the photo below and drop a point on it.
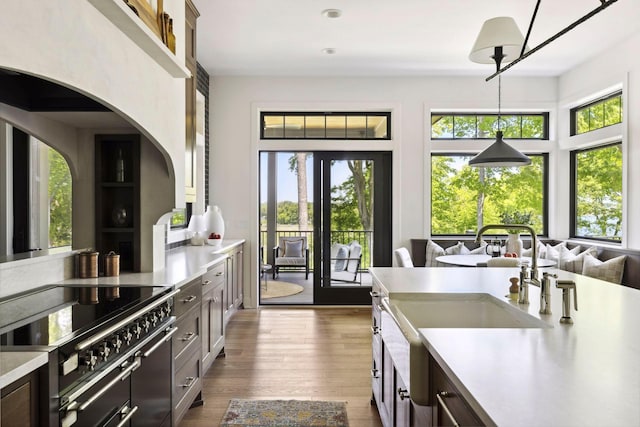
(546, 275)
(566, 286)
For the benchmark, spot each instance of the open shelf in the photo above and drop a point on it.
(122, 17)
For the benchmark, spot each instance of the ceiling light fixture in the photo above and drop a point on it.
(329, 50)
(499, 40)
(332, 13)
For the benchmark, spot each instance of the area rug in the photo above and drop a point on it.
(285, 413)
(276, 289)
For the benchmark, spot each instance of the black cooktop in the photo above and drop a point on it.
(53, 315)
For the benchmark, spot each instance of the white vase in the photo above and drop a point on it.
(216, 222)
(514, 244)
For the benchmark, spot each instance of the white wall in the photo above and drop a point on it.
(235, 105)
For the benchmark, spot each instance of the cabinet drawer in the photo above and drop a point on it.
(187, 336)
(187, 385)
(215, 276)
(190, 296)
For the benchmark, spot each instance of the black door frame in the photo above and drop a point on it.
(382, 230)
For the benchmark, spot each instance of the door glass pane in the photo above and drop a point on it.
(336, 126)
(273, 126)
(294, 127)
(315, 127)
(351, 231)
(376, 126)
(356, 127)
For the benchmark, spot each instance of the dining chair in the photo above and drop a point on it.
(403, 258)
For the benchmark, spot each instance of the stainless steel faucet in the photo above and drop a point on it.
(529, 277)
(545, 293)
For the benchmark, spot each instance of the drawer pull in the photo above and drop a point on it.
(190, 298)
(206, 282)
(126, 415)
(219, 273)
(188, 336)
(374, 373)
(188, 382)
(403, 393)
(216, 299)
(375, 330)
(441, 396)
(374, 294)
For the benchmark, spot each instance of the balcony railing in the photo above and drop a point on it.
(364, 238)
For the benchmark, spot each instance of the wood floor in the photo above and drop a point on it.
(292, 353)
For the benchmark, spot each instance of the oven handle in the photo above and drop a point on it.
(124, 322)
(169, 332)
(121, 376)
(129, 413)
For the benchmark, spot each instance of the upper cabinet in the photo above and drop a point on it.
(191, 15)
(136, 20)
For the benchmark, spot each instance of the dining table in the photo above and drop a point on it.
(473, 260)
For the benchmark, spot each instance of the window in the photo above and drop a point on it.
(484, 126)
(597, 193)
(598, 114)
(325, 125)
(464, 198)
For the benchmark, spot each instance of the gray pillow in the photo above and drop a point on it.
(293, 248)
(610, 270)
(432, 252)
(574, 263)
(341, 259)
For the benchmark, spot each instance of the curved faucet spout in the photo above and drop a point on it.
(534, 240)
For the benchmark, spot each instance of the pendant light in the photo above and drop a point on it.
(499, 39)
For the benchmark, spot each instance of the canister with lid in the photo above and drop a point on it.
(88, 264)
(112, 264)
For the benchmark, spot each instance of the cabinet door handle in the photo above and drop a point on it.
(375, 330)
(190, 298)
(188, 336)
(374, 373)
(188, 382)
(403, 393)
(206, 282)
(441, 396)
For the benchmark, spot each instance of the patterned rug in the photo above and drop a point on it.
(289, 413)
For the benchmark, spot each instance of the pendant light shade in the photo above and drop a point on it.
(497, 32)
(500, 154)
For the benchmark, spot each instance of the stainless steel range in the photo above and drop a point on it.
(110, 360)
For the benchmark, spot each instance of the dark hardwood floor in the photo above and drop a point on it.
(292, 353)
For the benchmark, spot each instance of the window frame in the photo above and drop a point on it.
(573, 199)
(573, 112)
(347, 114)
(545, 196)
(544, 115)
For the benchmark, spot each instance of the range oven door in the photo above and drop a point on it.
(151, 382)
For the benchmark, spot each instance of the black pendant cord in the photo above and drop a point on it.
(604, 4)
(499, 99)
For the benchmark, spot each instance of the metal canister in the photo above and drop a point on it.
(88, 264)
(112, 264)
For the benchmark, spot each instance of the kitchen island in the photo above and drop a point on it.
(587, 373)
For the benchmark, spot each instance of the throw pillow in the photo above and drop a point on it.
(293, 248)
(553, 252)
(341, 258)
(573, 263)
(457, 249)
(610, 270)
(482, 250)
(541, 251)
(432, 252)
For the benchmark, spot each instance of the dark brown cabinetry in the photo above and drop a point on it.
(213, 283)
(19, 403)
(117, 181)
(187, 349)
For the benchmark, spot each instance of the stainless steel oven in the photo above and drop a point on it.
(112, 360)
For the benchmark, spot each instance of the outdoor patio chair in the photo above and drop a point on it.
(345, 262)
(292, 253)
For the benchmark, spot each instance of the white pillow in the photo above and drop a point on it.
(457, 249)
(553, 252)
(610, 270)
(541, 251)
(432, 252)
(293, 248)
(572, 262)
(342, 253)
(482, 250)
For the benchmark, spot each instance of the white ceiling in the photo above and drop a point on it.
(395, 38)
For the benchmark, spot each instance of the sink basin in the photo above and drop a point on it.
(404, 314)
(462, 311)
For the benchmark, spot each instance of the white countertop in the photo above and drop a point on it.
(15, 365)
(585, 374)
(182, 265)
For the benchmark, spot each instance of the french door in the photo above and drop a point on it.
(351, 223)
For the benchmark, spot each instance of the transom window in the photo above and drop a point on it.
(464, 198)
(597, 192)
(325, 125)
(598, 114)
(484, 126)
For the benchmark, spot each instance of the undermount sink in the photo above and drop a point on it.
(410, 312)
(461, 311)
